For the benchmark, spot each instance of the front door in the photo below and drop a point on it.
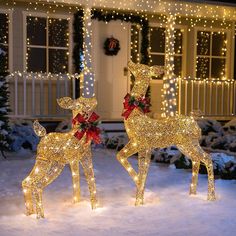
(111, 77)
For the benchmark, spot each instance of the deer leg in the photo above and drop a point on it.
(144, 158)
(87, 165)
(211, 183)
(128, 150)
(194, 156)
(195, 171)
(42, 174)
(38, 202)
(197, 154)
(28, 196)
(74, 166)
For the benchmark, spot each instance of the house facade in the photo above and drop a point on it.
(38, 39)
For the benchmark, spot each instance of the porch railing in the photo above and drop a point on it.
(33, 95)
(214, 98)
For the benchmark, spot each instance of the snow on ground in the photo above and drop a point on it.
(169, 210)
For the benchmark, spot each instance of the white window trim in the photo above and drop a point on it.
(10, 38)
(184, 45)
(228, 54)
(45, 15)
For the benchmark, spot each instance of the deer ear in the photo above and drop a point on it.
(158, 70)
(132, 67)
(66, 103)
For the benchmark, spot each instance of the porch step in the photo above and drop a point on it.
(112, 126)
(108, 126)
(50, 126)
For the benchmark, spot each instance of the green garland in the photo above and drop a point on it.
(134, 19)
(107, 17)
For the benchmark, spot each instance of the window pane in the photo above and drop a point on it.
(178, 65)
(203, 67)
(157, 39)
(158, 60)
(203, 42)
(178, 41)
(4, 28)
(218, 44)
(218, 68)
(3, 59)
(58, 32)
(58, 61)
(36, 59)
(36, 31)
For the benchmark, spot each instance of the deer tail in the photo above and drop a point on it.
(39, 129)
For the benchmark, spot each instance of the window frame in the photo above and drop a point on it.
(184, 45)
(227, 57)
(68, 17)
(10, 38)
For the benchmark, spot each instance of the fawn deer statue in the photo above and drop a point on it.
(146, 133)
(55, 150)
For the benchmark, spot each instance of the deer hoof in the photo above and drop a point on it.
(139, 202)
(211, 197)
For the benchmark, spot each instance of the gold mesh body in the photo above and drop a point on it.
(146, 133)
(54, 151)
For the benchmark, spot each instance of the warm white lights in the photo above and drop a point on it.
(145, 134)
(55, 150)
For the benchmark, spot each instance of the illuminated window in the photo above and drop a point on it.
(211, 55)
(47, 44)
(4, 43)
(157, 52)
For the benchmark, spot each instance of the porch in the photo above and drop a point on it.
(33, 96)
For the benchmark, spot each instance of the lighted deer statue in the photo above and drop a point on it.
(55, 150)
(146, 133)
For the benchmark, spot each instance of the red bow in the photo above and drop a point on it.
(87, 127)
(131, 103)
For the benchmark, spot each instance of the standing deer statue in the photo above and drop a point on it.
(146, 133)
(55, 150)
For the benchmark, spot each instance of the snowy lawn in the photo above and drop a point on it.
(169, 210)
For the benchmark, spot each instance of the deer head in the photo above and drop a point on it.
(141, 71)
(80, 105)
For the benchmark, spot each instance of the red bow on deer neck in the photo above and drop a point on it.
(131, 103)
(88, 127)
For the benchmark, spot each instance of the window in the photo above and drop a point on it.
(47, 44)
(211, 55)
(157, 52)
(4, 42)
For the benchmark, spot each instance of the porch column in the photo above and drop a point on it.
(87, 74)
(169, 81)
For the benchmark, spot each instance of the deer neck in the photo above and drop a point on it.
(140, 87)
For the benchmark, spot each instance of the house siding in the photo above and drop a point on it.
(156, 86)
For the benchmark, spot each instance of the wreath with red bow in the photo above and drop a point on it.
(111, 46)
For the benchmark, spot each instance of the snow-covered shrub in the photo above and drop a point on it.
(230, 127)
(23, 135)
(165, 155)
(116, 142)
(64, 126)
(181, 162)
(209, 126)
(229, 172)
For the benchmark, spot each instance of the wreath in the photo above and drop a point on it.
(111, 46)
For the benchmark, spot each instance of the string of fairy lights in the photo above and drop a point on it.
(169, 81)
(168, 14)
